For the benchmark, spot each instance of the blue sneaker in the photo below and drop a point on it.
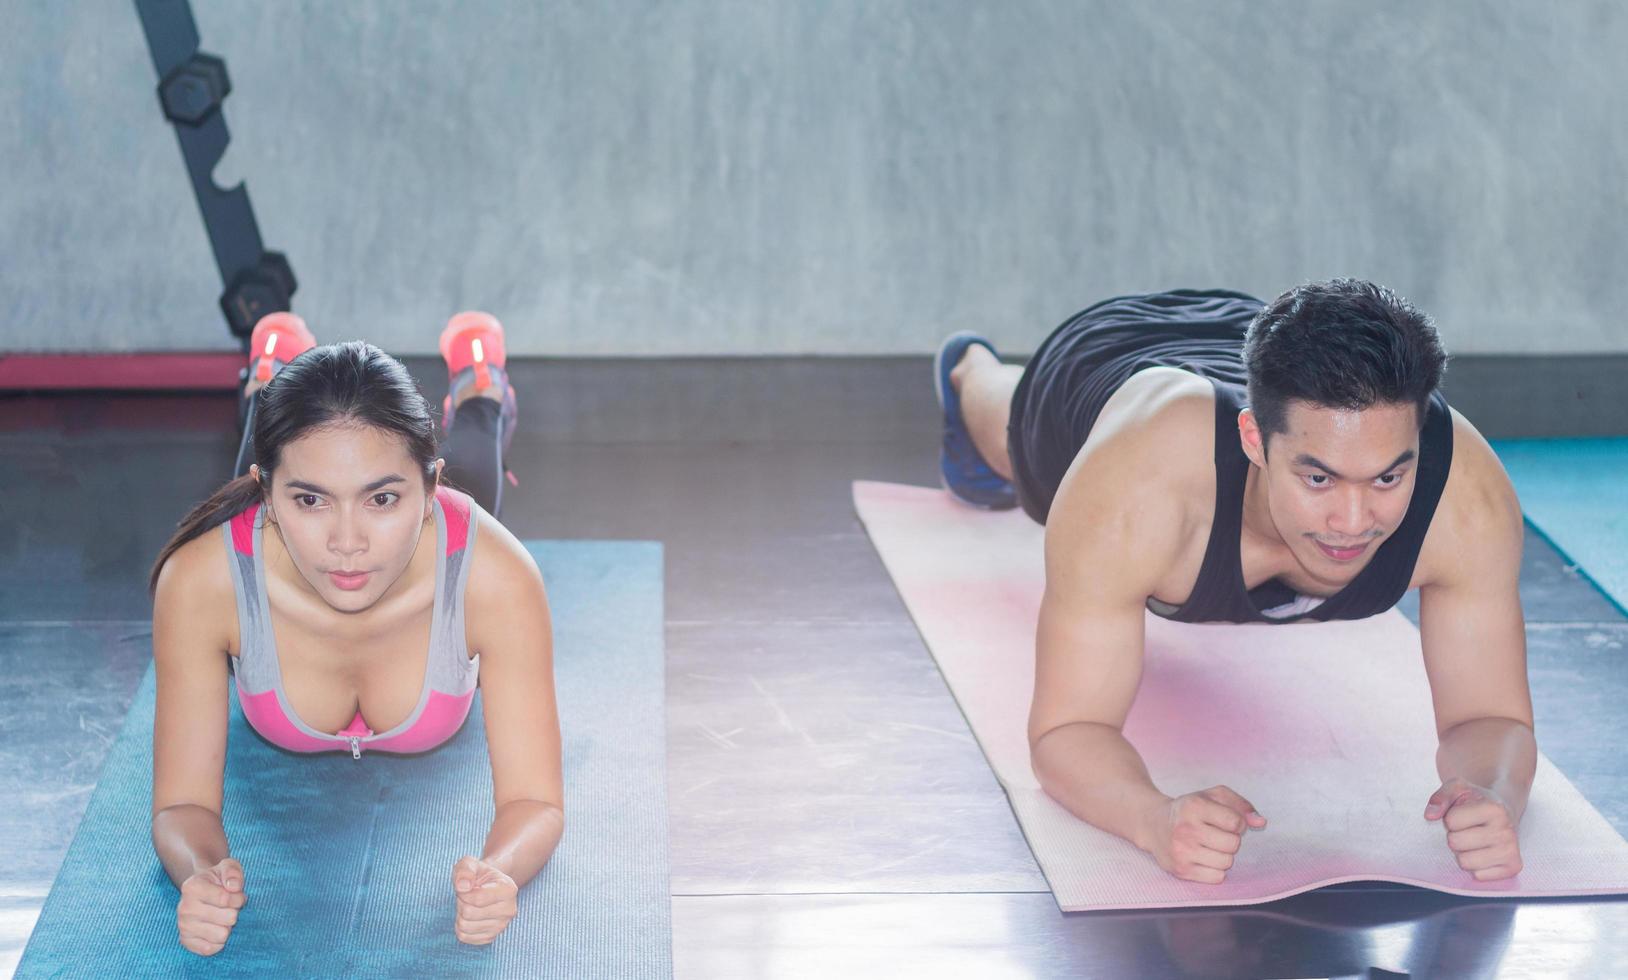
(965, 473)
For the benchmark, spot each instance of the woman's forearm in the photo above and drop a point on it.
(523, 837)
(188, 838)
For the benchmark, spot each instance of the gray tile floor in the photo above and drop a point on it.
(830, 811)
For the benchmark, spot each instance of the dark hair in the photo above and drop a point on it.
(354, 383)
(1344, 343)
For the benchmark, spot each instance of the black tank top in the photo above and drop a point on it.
(1219, 594)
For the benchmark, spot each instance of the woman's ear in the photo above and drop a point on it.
(260, 481)
(434, 484)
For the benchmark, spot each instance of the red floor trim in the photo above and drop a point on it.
(136, 371)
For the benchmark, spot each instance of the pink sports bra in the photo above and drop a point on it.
(449, 672)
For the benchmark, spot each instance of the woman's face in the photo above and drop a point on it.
(350, 504)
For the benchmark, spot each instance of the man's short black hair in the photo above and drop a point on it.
(1345, 344)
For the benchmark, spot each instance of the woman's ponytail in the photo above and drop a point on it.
(230, 500)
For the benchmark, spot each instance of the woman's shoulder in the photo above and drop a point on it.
(504, 594)
(200, 565)
(498, 556)
(502, 570)
(196, 584)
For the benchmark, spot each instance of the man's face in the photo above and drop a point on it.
(1337, 482)
(349, 499)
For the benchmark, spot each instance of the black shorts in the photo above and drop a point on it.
(1085, 360)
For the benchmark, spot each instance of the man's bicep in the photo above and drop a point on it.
(1088, 662)
(1107, 542)
(1471, 625)
(1088, 645)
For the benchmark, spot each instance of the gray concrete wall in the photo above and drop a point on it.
(843, 176)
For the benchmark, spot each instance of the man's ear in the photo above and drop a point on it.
(1251, 437)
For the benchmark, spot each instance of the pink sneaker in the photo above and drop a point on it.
(277, 339)
(472, 346)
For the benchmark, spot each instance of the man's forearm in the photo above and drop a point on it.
(188, 838)
(1500, 754)
(523, 837)
(1097, 774)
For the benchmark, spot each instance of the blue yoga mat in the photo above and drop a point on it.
(1575, 492)
(348, 863)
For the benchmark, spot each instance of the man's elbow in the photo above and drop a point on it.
(1046, 750)
(1039, 729)
(1510, 724)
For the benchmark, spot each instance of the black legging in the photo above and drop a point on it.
(473, 450)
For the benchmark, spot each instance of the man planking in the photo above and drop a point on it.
(1208, 458)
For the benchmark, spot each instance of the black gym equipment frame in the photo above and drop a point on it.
(191, 87)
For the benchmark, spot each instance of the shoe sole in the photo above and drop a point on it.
(940, 379)
(941, 376)
(473, 321)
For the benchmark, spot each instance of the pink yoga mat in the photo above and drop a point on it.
(1326, 728)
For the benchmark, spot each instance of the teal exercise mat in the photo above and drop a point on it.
(1575, 491)
(348, 863)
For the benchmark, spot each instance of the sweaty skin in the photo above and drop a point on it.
(1140, 498)
(342, 651)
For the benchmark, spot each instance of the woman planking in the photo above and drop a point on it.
(355, 600)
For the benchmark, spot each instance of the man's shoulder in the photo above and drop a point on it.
(1478, 490)
(1478, 512)
(1160, 418)
(1147, 473)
